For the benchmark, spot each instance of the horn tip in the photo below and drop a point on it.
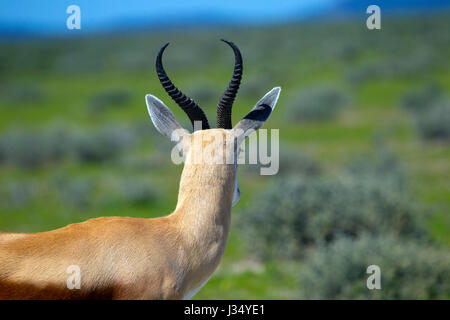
(164, 47)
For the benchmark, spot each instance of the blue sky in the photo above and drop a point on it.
(50, 15)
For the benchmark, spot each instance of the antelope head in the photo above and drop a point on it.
(210, 148)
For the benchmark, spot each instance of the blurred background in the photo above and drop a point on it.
(364, 119)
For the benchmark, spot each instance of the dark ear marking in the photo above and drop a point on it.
(260, 113)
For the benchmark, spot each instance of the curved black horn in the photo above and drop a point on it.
(226, 100)
(192, 109)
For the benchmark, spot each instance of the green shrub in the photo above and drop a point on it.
(109, 99)
(30, 148)
(80, 60)
(409, 270)
(431, 111)
(434, 124)
(255, 86)
(33, 148)
(411, 64)
(22, 94)
(301, 211)
(290, 162)
(138, 192)
(204, 93)
(102, 144)
(318, 103)
(102, 192)
(77, 193)
(422, 99)
(17, 194)
(126, 192)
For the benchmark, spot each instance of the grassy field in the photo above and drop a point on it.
(82, 85)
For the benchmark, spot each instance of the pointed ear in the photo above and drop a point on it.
(258, 115)
(162, 118)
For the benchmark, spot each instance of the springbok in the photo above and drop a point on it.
(169, 257)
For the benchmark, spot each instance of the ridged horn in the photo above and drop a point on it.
(226, 100)
(192, 109)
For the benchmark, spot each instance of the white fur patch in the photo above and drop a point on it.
(193, 292)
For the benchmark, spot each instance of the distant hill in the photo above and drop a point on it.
(248, 14)
(389, 6)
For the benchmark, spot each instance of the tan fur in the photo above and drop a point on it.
(130, 258)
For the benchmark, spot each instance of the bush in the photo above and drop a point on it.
(79, 61)
(408, 270)
(423, 99)
(102, 144)
(22, 94)
(300, 211)
(32, 148)
(254, 87)
(102, 192)
(431, 110)
(17, 194)
(290, 162)
(126, 192)
(434, 124)
(318, 103)
(391, 67)
(29, 148)
(109, 99)
(77, 193)
(20, 147)
(203, 93)
(138, 193)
